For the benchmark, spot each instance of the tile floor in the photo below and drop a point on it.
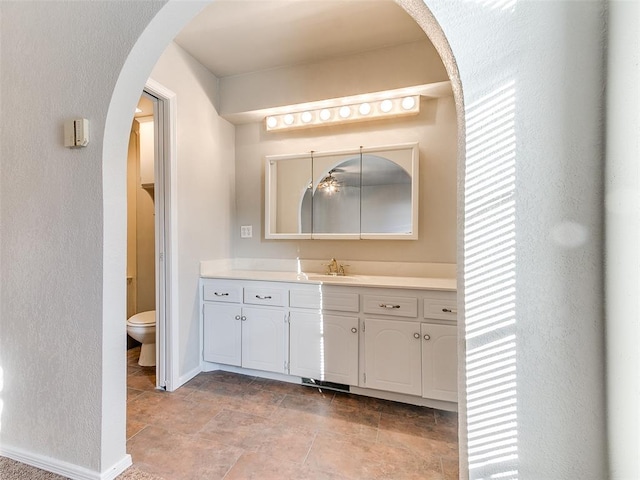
(227, 426)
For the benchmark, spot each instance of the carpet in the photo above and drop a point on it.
(13, 470)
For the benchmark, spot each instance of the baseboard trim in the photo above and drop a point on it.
(66, 469)
(182, 379)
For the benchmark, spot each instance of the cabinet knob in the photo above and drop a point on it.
(243, 318)
(416, 335)
(354, 330)
(427, 337)
(449, 310)
(237, 317)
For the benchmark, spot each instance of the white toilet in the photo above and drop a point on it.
(142, 327)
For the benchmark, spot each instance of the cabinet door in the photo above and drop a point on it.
(324, 347)
(221, 330)
(440, 362)
(263, 339)
(392, 356)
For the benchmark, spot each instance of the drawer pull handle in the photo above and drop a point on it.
(416, 335)
(449, 310)
(354, 330)
(263, 297)
(427, 337)
(243, 318)
(388, 305)
(217, 294)
(237, 317)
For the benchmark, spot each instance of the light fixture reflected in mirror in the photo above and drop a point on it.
(329, 183)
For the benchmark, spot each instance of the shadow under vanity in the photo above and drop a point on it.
(387, 337)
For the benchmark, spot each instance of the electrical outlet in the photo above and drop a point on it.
(246, 231)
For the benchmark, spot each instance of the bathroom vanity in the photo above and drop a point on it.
(387, 337)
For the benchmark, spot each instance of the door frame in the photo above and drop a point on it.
(166, 241)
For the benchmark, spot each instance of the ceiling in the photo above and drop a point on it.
(234, 37)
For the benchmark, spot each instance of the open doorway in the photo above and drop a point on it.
(220, 225)
(148, 287)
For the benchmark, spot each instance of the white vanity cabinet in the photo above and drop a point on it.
(404, 353)
(393, 342)
(439, 361)
(324, 347)
(324, 333)
(239, 332)
(392, 346)
(392, 356)
(222, 334)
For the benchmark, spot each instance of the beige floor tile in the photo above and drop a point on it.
(223, 425)
(162, 409)
(181, 457)
(259, 466)
(259, 434)
(362, 459)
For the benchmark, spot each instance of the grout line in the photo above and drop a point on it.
(315, 435)
(234, 463)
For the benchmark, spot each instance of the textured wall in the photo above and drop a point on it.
(64, 387)
(623, 237)
(59, 60)
(548, 57)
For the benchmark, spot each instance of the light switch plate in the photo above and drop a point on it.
(246, 231)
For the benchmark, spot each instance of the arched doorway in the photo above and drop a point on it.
(150, 46)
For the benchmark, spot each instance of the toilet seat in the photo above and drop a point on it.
(143, 318)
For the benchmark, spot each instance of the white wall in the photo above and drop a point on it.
(552, 55)
(434, 129)
(622, 184)
(61, 357)
(63, 394)
(205, 187)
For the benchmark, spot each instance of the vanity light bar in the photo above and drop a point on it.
(357, 112)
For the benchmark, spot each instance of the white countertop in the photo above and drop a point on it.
(448, 284)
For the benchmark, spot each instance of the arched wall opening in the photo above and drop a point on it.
(158, 34)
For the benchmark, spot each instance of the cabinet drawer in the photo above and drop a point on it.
(394, 306)
(221, 292)
(305, 299)
(441, 306)
(315, 299)
(265, 296)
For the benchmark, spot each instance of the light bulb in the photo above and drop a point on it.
(325, 114)
(272, 122)
(306, 117)
(345, 112)
(386, 106)
(288, 119)
(408, 103)
(365, 109)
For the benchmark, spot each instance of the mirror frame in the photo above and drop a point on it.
(270, 193)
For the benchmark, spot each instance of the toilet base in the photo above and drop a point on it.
(147, 355)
